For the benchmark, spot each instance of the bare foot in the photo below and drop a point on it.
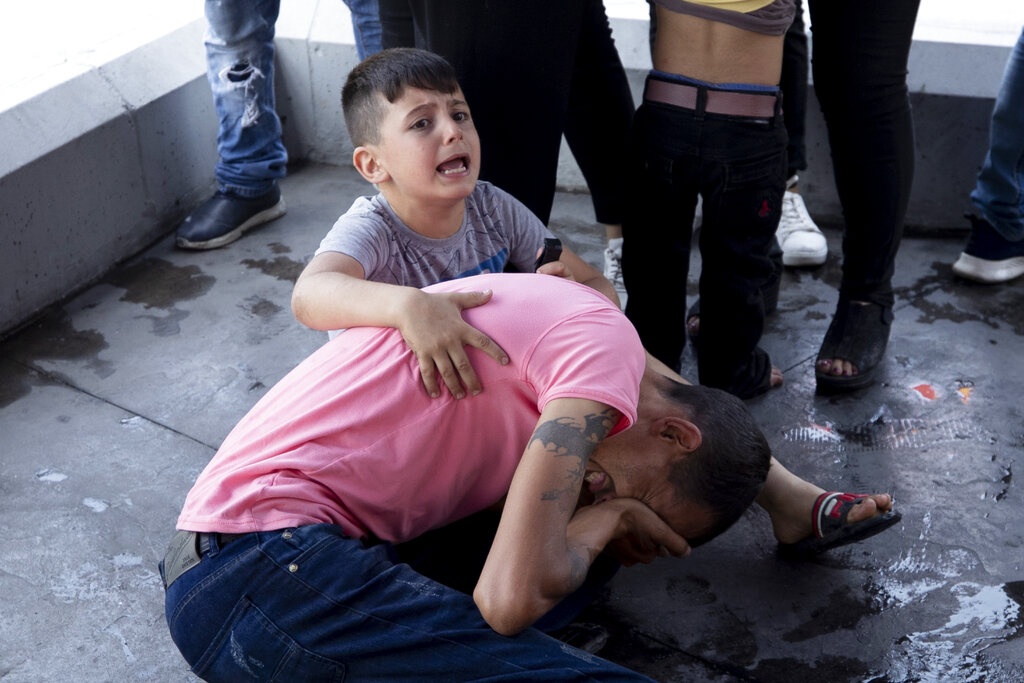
(839, 367)
(836, 366)
(693, 325)
(776, 380)
(793, 522)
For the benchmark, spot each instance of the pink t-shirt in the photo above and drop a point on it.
(350, 436)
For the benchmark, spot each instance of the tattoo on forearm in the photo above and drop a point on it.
(565, 437)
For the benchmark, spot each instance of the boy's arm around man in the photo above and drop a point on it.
(332, 293)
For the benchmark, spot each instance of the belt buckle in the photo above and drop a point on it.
(182, 554)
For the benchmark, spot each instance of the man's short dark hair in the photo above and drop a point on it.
(731, 465)
(388, 73)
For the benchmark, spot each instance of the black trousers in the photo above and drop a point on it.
(793, 83)
(737, 165)
(531, 72)
(859, 60)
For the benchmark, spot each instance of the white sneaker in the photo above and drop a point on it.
(613, 267)
(802, 242)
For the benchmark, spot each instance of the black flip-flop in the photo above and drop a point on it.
(859, 333)
(830, 529)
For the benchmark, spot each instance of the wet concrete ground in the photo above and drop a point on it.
(112, 403)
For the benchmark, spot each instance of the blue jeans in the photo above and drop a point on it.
(310, 604)
(366, 25)
(998, 194)
(240, 69)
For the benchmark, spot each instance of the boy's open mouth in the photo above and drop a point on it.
(454, 166)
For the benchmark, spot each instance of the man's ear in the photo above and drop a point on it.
(364, 158)
(684, 434)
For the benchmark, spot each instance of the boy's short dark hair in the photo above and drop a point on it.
(729, 469)
(388, 73)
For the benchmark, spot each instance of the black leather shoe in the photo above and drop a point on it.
(225, 217)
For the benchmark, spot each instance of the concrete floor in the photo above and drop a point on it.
(112, 404)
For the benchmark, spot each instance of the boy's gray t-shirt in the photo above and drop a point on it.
(497, 229)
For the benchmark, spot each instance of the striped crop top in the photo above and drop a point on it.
(771, 17)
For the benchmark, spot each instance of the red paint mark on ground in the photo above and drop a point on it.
(965, 393)
(925, 390)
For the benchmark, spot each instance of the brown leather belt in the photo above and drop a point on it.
(762, 106)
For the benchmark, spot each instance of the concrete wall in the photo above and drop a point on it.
(98, 167)
(102, 164)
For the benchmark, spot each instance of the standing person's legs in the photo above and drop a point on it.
(800, 241)
(310, 604)
(240, 70)
(742, 186)
(995, 250)
(661, 172)
(793, 83)
(366, 26)
(999, 194)
(860, 52)
(600, 111)
(396, 26)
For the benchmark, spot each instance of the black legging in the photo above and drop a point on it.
(794, 91)
(859, 60)
(531, 70)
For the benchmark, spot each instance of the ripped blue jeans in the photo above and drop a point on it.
(310, 604)
(240, 68)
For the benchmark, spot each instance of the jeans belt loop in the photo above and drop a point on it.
(702, 104)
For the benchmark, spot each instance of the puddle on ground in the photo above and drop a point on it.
(13, 387)
(947, 615)
(264, 309)
(156, 283)
(282, 267)
(54, 337)
(634, 649)
(885, 434)
(690, 590)
(985, 305)
(830, 272)
(824, 668)
(168, 325)
(842, 612)
(982, 616)
(727, 640)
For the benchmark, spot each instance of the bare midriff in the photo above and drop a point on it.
(715, 52)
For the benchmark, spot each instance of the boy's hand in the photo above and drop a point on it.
(558, 269)
(435, 331)
(641, 535)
